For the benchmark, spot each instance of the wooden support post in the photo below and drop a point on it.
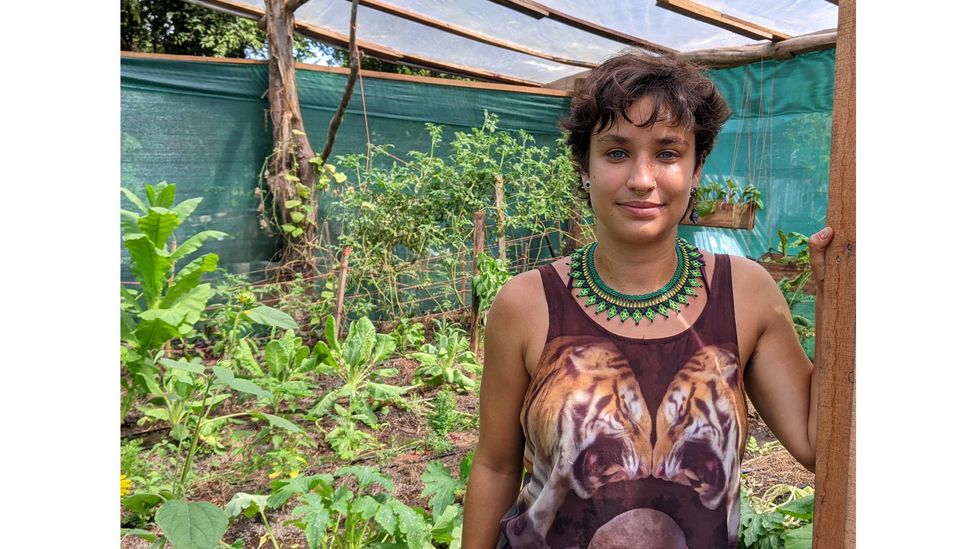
(500, 215)
(341, 296)
(575, 234)
(479, 247)
(834, 501)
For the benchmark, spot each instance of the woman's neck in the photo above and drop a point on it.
(636, 268)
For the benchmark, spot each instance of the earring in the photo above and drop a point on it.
(586, 185)
(692, 204)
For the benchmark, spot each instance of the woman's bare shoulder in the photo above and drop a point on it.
(748, 274)
(519, 295)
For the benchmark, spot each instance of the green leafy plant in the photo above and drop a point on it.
(355, 362)
(280, 452)
(805, 327)
(408, 221)
(753, 447)
(442, 420)
(793, 248)
(146, 479)
(287, 371)
(448, 360)
(308, 301)
(492, 275)
(251, 505)
(169, 300)
(408, 335)
(347, 440)
(442, 487)
(185, 525)
(363, 515)
(781, 518)
(710, 193)
(207, 386)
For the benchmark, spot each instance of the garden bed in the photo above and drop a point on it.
(404, 457)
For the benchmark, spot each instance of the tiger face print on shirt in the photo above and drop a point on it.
(699, 430)
(591, 427)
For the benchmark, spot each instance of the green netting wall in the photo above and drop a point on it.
(204, 127)
(778, 139)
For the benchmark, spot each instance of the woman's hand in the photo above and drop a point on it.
(818, 255)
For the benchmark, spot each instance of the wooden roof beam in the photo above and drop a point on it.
(464, 32)
(714, 17)
(341, 40)
(539, 10)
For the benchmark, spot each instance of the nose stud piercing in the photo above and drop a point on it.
(644, 192)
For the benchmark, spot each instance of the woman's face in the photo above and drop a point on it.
(640, 178)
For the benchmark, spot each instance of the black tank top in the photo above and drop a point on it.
(632, 442)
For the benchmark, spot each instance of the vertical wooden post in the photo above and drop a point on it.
(341, 296)
(500, 215)
(479, 247)
(834, 501)
(575, 233)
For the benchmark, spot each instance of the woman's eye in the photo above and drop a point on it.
(617, 155)
(668, 155)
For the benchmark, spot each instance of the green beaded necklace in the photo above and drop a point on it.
(687, 277)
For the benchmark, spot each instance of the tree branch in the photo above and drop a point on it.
(293, 5)
(353, 75)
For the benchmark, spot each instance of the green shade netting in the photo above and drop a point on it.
(204, 127)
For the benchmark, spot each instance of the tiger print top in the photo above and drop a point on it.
(632, 442)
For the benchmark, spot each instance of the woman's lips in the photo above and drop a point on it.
(642, 209)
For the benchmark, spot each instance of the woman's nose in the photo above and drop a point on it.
(642, 176)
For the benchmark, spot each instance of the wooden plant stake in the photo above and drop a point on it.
(575, 234)
(834, 509)
(341, 296)
(479, 246)
(500, 215)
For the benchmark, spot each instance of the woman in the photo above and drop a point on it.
(616, 377)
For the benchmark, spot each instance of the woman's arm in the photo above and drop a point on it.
(780, 380)
(497, 468)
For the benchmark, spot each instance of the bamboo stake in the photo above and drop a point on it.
(340, 298)
(500, 215)
(479, 246)
(573, 238)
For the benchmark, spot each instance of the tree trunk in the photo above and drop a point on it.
(289, 174)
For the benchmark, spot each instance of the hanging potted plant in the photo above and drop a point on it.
(726, 205)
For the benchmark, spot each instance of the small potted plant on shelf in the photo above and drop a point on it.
(790, 261)
(726, 205)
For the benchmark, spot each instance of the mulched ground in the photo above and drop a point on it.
(220, 476)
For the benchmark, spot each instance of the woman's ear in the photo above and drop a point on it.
(696, 179)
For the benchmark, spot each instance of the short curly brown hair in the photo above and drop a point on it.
(683, 95)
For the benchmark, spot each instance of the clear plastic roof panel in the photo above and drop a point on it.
(640, 18)
(644, 19)
(794, 17)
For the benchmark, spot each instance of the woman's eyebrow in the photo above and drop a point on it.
(672, 140)
(613, 138)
